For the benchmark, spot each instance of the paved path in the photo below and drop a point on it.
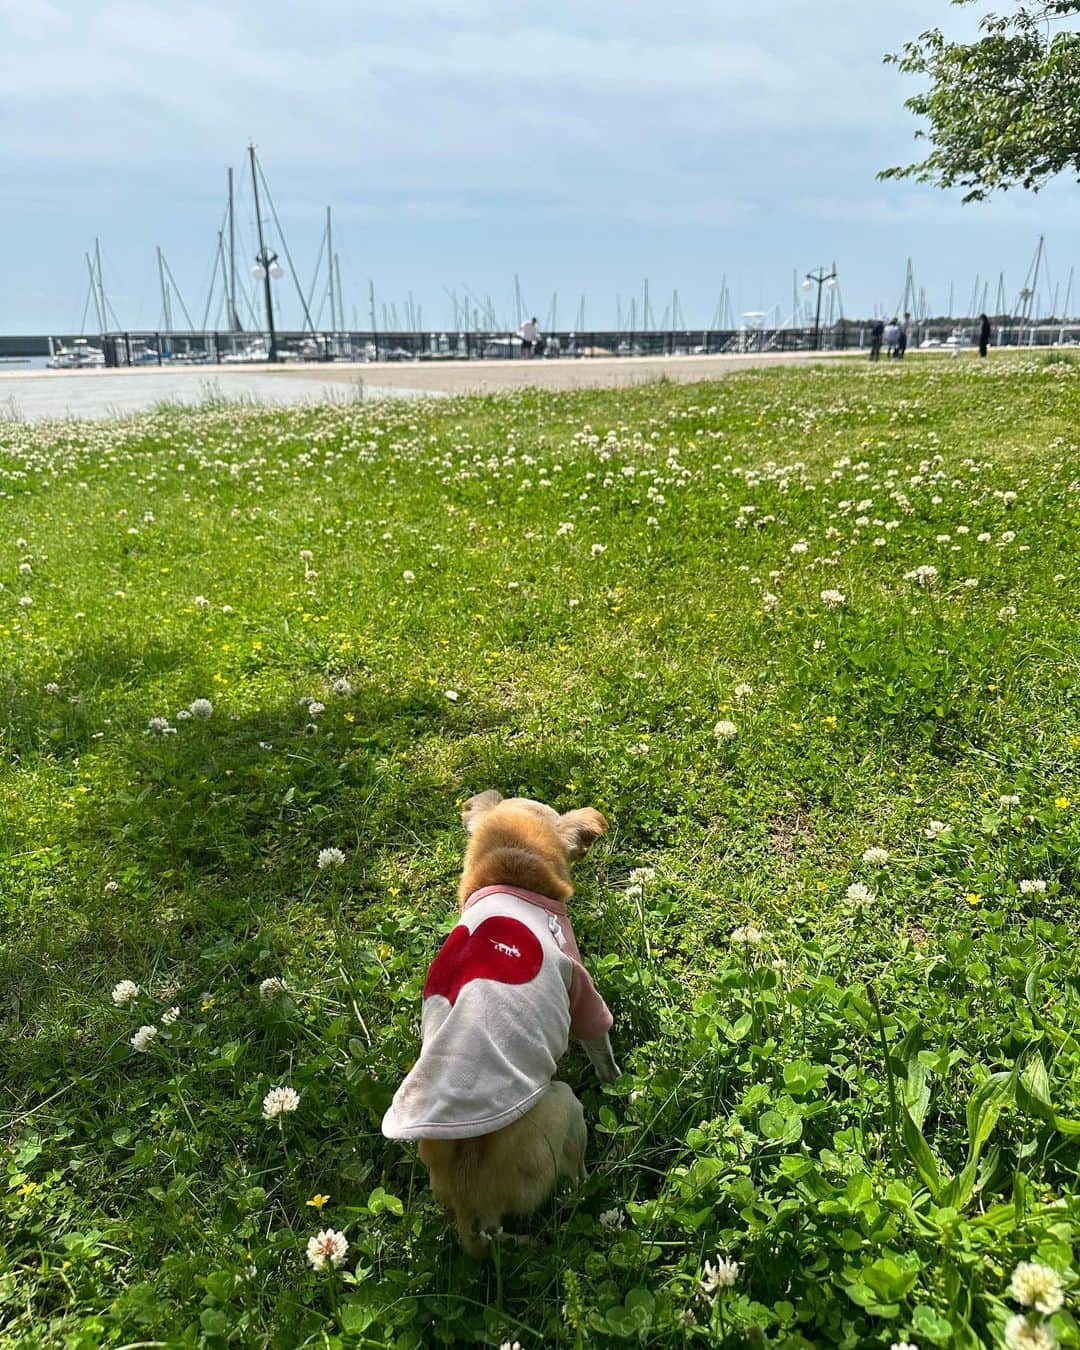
(37, 394)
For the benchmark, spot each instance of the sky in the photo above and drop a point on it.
(460, 142)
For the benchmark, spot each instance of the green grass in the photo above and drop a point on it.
(875, 1112)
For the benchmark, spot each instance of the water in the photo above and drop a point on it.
(114, 393)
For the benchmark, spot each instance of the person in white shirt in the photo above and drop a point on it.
(530, 336)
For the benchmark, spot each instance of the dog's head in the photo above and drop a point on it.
(519, 842)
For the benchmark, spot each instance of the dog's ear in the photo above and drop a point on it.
(477, 806)
(580, 830)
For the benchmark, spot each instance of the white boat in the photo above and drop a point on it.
(79, 356)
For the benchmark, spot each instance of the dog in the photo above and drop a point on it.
(502, 996)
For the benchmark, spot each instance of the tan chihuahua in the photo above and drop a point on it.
(502, 996)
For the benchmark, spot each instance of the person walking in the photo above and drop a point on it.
(877, 328)
(892, 337)
(984, 334)
(530, 335)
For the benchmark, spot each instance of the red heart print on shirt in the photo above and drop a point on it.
(500, 949)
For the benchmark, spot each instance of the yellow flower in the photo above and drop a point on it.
(317, 1201)
(973, 899)
(571, 787)
(27, 1188)
(1062, 803)
(206, 1003)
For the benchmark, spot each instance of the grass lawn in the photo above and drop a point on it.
(807, 637)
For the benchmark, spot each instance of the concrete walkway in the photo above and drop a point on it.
(37, 394)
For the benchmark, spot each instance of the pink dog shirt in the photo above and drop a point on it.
(500, 999)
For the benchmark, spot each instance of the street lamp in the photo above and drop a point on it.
(266, 263)
(822, 278)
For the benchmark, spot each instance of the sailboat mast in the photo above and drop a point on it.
(94, 293)
(166, 313)
(340, 301)
(263, 259)
(330, 268)
(101, 288)
(234, 317)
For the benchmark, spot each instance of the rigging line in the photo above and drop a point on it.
(86, 306)
(176, 288)
(284, 245)
(219, 262)
(315, 274)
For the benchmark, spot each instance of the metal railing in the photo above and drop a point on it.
(217, 348)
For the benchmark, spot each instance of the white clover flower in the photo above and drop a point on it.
(25, 600)
(936, 829)
(984, 537)
(201, 602)
(597, 549)
(169, 1016)
(452, 695)
(272, 987)
(510, 1345)
(769, 602)
(903, 1345)
(642, 876)
(279, 1101)
(143, 1038)
(1037, 1286)
(161, 726)
(859, 895)
(306, 555)
(342, 686)
(330, 857)
(753, 937)
(1009, 799)
(725, 730)
(612, 1219)
(408, 576)
(111, 886)
(327, 1245)
(877, 857)
(833, 599)
(800, 547)
(201, 707)
(184, 715)
(1022, 1334)
(925, 575)
(565, 527)
(315, 708)
(1007, 536)
(742, 691)
(721, 1276)
(52, 687)
(124, 992)
(1032, 887)
(1006, 613)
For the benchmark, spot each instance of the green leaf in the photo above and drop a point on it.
(920, 1155)
(929, 1325)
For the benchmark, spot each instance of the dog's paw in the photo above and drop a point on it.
(609, 1072)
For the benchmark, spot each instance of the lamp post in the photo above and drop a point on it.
(822, 278)
(266, 263)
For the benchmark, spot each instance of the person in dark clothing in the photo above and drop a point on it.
(901, 346)
(984, 334)
(877, 330)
